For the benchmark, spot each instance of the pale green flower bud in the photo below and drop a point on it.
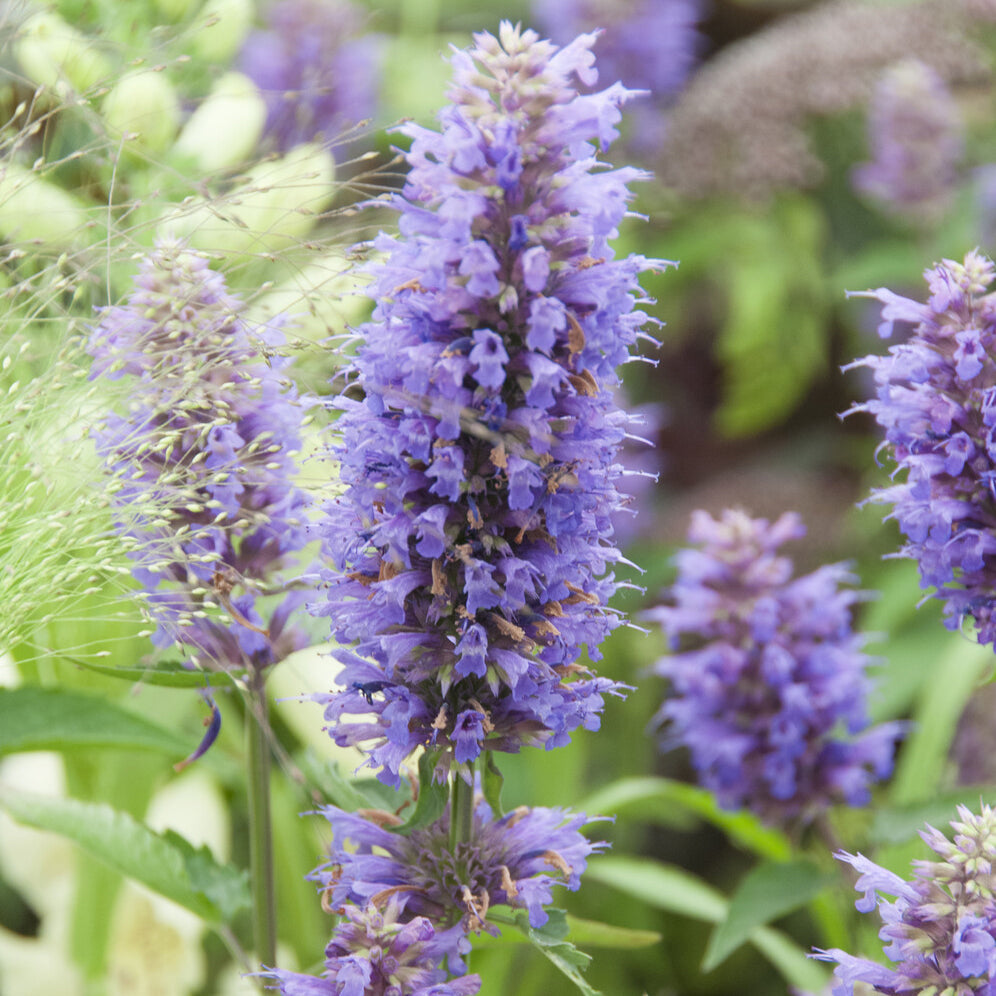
(272, 206)
(32, 209)
(221, 28)
(225, 129)
(144, 103)
(54, 54)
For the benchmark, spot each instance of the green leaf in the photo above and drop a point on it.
(900, 824)
(432, 795)
(170, 674)
(549, 940)
(167, 864)
(767, 892)
(33, 718)
(675, 890)
(492, 782)
(595, 934)
(642, 796)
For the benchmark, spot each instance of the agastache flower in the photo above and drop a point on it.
(940, 927)
(915, 135)
(316, 67)
(202, 462)
(377, 950)
(936, 401)
(768, 683)
(514, 861)
(471, 545)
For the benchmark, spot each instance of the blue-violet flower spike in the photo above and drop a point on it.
(768, 683)
(472, 544)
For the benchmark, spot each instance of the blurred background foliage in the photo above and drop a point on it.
(753, 195)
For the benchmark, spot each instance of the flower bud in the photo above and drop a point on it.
(144, 102)
(274, 204)
(52, 53)
(221, 28)
(33, 209)
(224, 130)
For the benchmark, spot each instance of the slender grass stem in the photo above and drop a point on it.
(461, 809)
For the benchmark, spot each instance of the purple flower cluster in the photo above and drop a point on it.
(915, 135)
(767, 673)
(376, 951)
(479, 436)
(316, 67)
(513, 861)
(202, 461)
(936, 401)
(941, 928)
(649, 45)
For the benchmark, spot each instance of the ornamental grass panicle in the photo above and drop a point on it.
(936, 401)
(941, 928)
(316, 67)
(202, 462)
(915, 136)
(768, 680)
(472, 544)
(513, 861)
(375, 950)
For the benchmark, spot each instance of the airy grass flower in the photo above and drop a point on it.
(471, 547)
(375, 950)
(936, 401)
(201, 461)
(768, 683)
(940, 928)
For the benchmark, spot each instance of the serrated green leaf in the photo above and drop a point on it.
(548, 939)
(767, 892)
(33, 718)
(179, 872)
(641, 795)
(675, 890)
(432, 795)
(169, 674)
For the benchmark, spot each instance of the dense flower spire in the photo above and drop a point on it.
(936, 401)
(514, 860)
(202, 460)
(915, 135)
(941, 927)
(316, 67)
(378, 952)
(768, 673)
(471, 546)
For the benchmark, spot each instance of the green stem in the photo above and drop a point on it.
(461, 809)
(264, 906)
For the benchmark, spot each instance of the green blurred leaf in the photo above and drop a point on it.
(492, 782)
(33, 718)
(767, 892)
(167, 673)
(675, 890)
(432, 795)
(595, 934)
(900, 824)
(166, 864)
(641, 796)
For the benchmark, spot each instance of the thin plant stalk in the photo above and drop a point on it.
(462, 809)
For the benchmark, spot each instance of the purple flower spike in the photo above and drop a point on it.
(380, 951)
(513, 861)
(472, 544)
(937, 404)
(941, 927)
(915, 135)
(768, 674)
(202, 462)
(316, 68)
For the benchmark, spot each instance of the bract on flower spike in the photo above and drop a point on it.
(472, 545)
(768, 683)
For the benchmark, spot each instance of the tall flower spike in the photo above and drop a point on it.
(940, 928)
(377, 951)
(202, 461)
(471, 545)
(915, 135)
(936, 401)
(768, 673)
(316, 67)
